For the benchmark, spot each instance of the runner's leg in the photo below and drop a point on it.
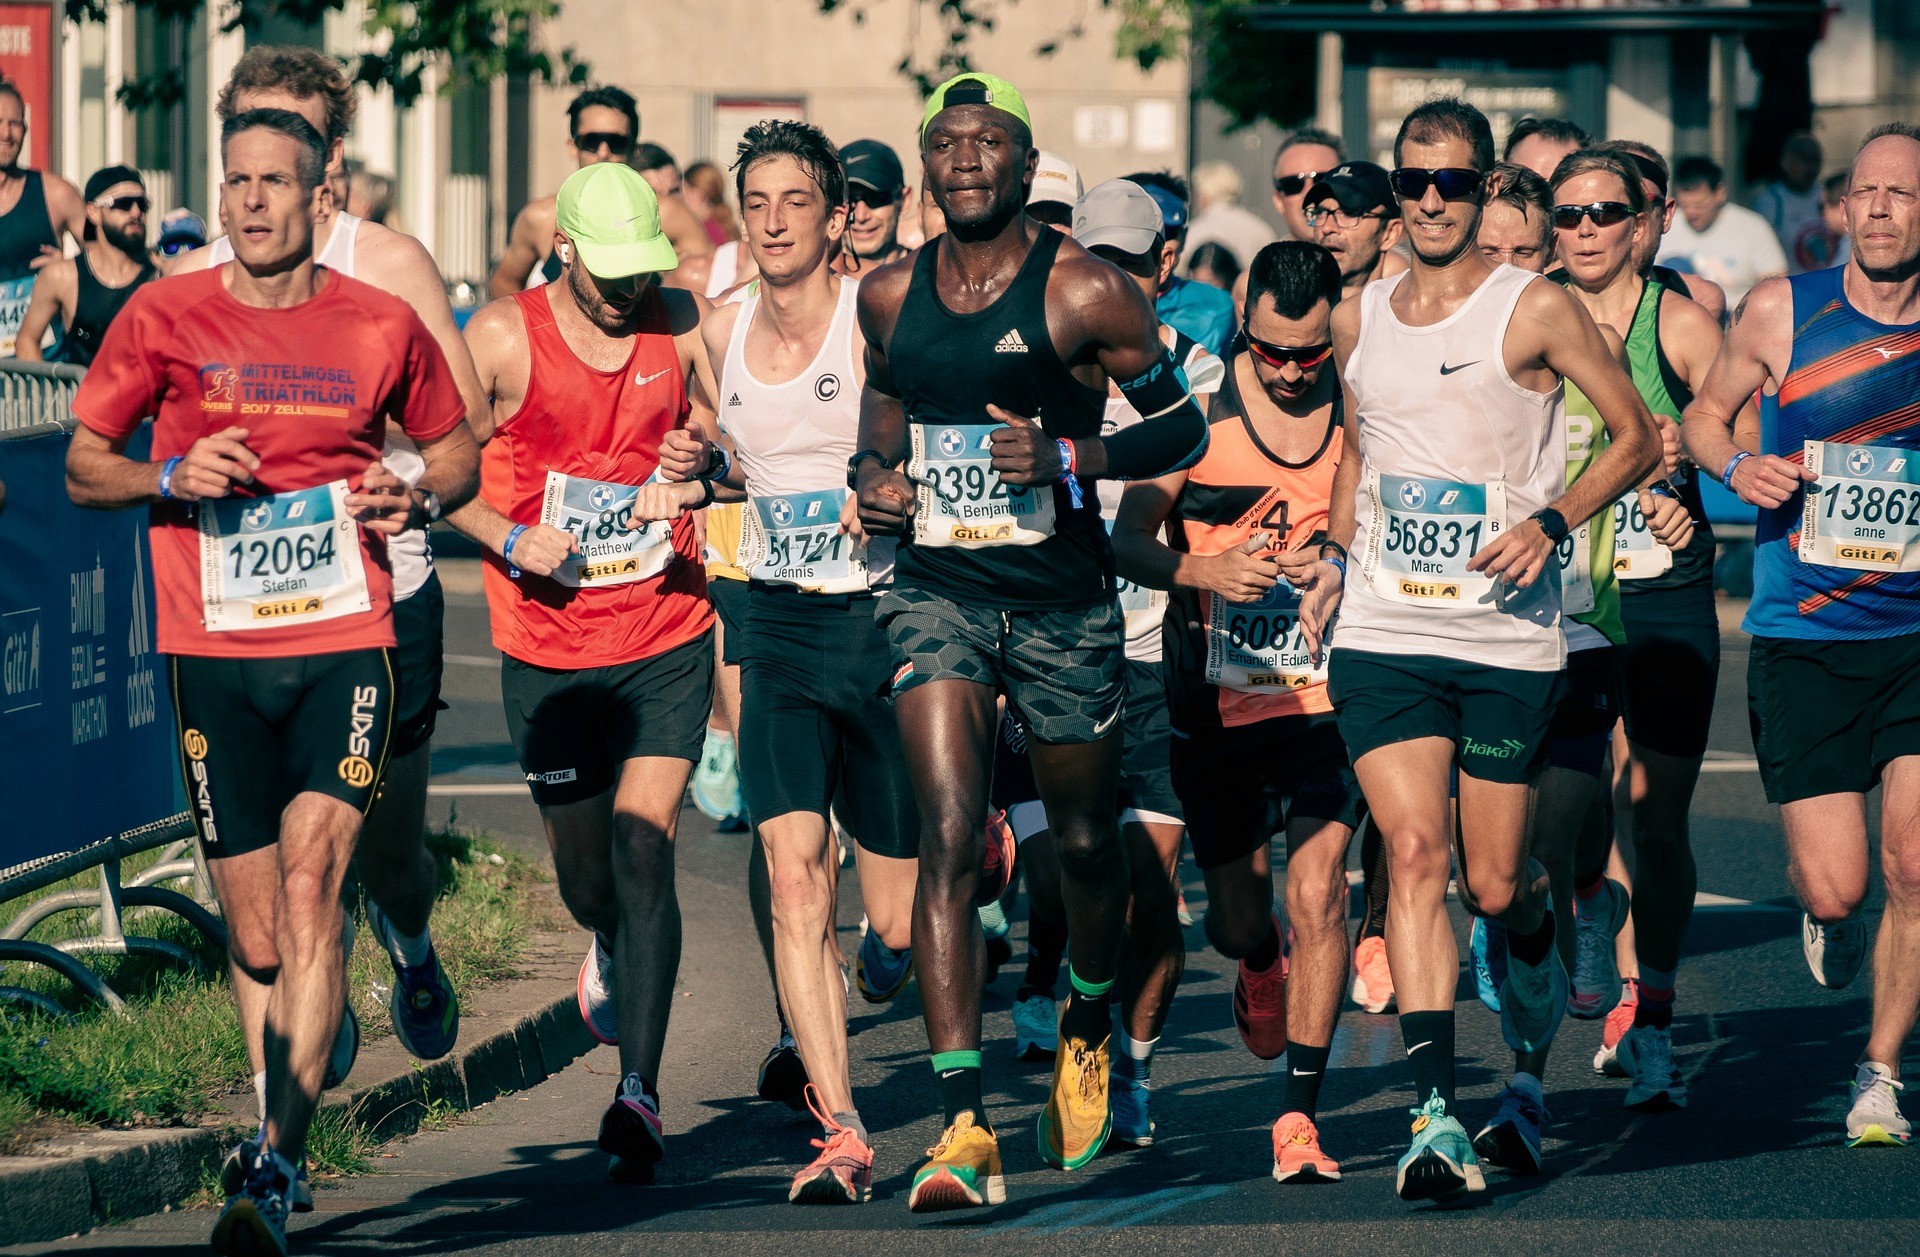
(1896, 975)
(1079, 783)
(646, 952)
(1156, 950)
(803, 864)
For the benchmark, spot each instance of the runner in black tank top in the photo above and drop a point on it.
(25, 230)
(97, 305)
(988, 356)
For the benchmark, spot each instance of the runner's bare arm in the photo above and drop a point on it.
(1241, 574)
(399, 264)
(1325, 582)
(101, 476)
(1756, 353)
(54, 294)
(885, 494)
(67, 210)
(686, 453)
(527, 243)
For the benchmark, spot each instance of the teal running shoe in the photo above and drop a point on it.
(882, 972)
(1441, 1163)
(716, 782)
(1128, 1095)
(1533, 999)
(1487, 944)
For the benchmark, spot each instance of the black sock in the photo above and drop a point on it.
(1265, 953)
(1088, 1015)
(1429, 1040)
(960, 1086)
(1532, 949)
(1374, 882)
(1046, 945)
(1306, 1070)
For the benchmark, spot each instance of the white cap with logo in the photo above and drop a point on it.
(1054, 179)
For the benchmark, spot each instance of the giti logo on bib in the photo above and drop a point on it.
(1863, 510)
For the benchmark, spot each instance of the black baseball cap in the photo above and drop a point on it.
(872, 164)
(1355, 186)
(111, 177)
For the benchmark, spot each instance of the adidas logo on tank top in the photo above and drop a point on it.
(1011, 343)
(734, 400)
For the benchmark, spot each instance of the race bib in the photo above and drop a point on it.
(795, 539)
(1422, 534)
(1257, 647)
(1637, 555)
(1575, 556)
(15, 294)
(599, 513)
(961, 500)
(1864, 510)
(287, 558)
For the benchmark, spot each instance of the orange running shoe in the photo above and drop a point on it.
(1296, 1152)
(997, 868)
(843, 1172)
(1608, 1059)
(1260, 1007)
(1372, 978)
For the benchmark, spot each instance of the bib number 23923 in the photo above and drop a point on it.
(961, 499)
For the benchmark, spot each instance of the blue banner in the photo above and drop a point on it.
(84, 713)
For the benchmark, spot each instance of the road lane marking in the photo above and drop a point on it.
(1730, 766)
(501, 788)
(474, 661)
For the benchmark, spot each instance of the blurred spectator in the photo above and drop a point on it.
(1054, 192)
(1200, 310)
(84, 293)
(704, 189)
(1833, 212)
(1791, 205)
(1214, 263)
(370, 196)
(1540, 143)
(928, 223)
(181, 232)
(657, 167)
(876, 195)
(1301, 159)
(1732, 246)
(1218, 217)
(1356, 218)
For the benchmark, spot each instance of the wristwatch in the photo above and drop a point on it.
(1552, 523)
(853, 465)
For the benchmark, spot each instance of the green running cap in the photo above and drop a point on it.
(613, 217)
(973, 88)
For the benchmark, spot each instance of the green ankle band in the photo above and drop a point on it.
(944, 1061)
(1092, 990)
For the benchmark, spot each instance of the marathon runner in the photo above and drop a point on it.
(82, 295)
(1660, 208)
(1255, 747)
(988, 357)
(876, 193)
(393, 865)
(272, 379)
(1353, 217)
(817, 733)
(1538, 145)
(1570, 827)
(1449, 649)
(602, 621)
(1187, 305)
(36, 207)
(1834, 678)
(603, 125)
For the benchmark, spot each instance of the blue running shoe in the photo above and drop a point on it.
(1512, 1139)
(1128, 1096)
(426, 1012)
(882, 972)
(1488, 946)
(1533, 999)
(1441, 1163)
(716, 782)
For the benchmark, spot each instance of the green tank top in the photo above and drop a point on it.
(1586, 437)
(1666, 394)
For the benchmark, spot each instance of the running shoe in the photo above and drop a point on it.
(843, 1172)
(1296, 1152)
(233, 1175)
(881, 979)
(1128, 1096)
(254, 1220)
(1260, 1007)
(783, 1077)
(594, 993)
(716, 782)
(632, 1132)
(1036, 1028)
(1533, 999)
(962, 1171)
(1512, 1139)
(346, 1049)
(1656, 1081)
(1441, 1162)
(426, 1012)
(1487, 946)
(1596, 974)
(994, 924)
(1372, 976)
(1078, 1118)
(997, 868)
(1874, 1117)
(1609, 1060)
(1834, 952)
(1180, 909)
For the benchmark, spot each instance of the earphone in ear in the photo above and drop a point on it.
(566, 253)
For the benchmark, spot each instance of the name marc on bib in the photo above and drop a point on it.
(1422, 533)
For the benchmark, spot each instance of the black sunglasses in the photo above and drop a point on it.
(1294, 185)
(1603, 214)
(613, 141)
(1306, 357)
(125, 203)
(1454, 183)
(871, 198)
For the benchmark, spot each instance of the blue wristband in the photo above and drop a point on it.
(166, 477)
(1337, 562)
(506, 551)
(1067, 478)
(1726, 477)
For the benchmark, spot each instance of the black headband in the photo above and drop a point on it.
(1652, 171)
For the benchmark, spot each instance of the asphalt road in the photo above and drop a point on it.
(1755, 1162)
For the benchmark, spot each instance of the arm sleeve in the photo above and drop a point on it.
(427, 402)
(1173, 433)
(124, 384)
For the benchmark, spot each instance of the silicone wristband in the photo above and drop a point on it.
(1726, 477)
(1067, 478)
(1337, 562)
(166, 477)
(513, 535)
(1663, 490)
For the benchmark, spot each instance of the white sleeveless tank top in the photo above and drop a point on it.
(409, 553)
(796, 437)
(1441, 422)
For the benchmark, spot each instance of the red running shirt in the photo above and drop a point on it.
(598, 425)
(315, 385)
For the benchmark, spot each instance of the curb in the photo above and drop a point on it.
(96, 1177)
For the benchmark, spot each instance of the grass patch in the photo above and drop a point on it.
(179, 1047)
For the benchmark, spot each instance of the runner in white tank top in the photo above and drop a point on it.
(1447, 652)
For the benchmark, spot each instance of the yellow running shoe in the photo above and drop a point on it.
(963, 1173)
(1077, 1120)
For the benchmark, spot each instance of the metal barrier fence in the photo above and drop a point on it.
(90, 738)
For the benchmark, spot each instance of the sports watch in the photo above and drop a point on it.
(1552, 523)
(853, 465)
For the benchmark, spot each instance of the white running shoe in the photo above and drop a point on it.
(1657, 1083)
(594, 992)
(1596, 974)
(1036, 1029)
(1834, 952)
(1874, 1116)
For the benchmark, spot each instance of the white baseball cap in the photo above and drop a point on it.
(1054, 179)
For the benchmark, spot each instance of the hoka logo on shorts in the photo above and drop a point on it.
(1507, 748)
(1413, 494)
(1860, 460)
(1011, 343)
(951, 442)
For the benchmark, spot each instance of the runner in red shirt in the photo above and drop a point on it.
(601, 617)
(273, 381)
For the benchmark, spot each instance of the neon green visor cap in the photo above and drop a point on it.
(973, 88)
(612, 216)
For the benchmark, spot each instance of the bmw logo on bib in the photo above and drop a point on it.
(1859, 460)
(600, 497)
(1413, 494)
(782, 511)
(951, 442)
(257, 517)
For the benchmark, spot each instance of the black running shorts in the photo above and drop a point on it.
(1672, 668)
(1146, 774)
(1829, 716)
(1242, 785)
(817, 730)
(256, 732)
(1496, 718)
(1583, 720)
(572, 730)
(729, 597)
(419, 625)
